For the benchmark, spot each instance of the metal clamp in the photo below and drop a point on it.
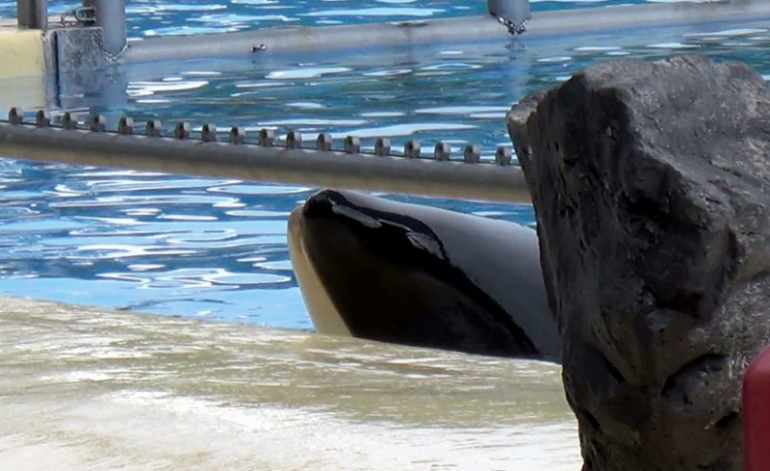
(85, 14)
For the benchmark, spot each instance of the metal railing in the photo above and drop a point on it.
(264, 158)
(290, 162)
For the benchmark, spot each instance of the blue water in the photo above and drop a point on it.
(217, 249)
(164, 17)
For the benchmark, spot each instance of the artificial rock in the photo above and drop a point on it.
(651, 188)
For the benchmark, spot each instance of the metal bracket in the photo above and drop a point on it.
(79, 49)
(85, 15)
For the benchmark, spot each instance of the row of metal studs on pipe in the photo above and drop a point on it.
(324, 142)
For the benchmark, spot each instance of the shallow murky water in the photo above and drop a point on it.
(85, 389)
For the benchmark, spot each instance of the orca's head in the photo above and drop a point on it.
(378, 269)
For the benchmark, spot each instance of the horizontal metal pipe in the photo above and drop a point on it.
(654, 15)
(484, 182)
(453, 30)
(314, 39)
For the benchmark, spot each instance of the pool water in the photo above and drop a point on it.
(116, 390)
(163, 17)
(92, 390)
(216, 249)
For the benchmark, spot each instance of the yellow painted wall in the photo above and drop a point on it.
(21, 52)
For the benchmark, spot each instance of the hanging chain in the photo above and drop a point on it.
(513, 28)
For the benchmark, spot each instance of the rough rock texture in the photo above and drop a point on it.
(651, 186)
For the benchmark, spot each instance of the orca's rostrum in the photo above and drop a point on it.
(417, 275)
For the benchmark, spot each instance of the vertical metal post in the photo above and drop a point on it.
(32, 13)
(515, 12)
(111, 16)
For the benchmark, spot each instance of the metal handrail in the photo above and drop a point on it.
(267, 162)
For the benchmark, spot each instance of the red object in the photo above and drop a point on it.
(756, 413)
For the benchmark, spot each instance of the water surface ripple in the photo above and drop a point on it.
(216, 249)
(119, 391)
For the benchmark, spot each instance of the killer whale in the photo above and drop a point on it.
(403, 273)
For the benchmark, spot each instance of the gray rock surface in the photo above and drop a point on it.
(651, 186)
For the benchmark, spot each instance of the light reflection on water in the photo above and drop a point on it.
(216, 249)
(148, 18)
(97, 390)
(94, 390)
(78, 235)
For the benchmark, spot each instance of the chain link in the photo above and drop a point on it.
(513, 28)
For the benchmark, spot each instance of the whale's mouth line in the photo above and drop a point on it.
(324, 314)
